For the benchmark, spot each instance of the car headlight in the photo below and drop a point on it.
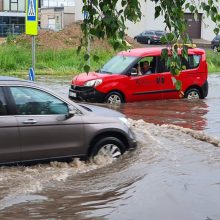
(125, 121)
(93, 83)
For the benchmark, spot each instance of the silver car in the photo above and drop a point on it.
(38, 125)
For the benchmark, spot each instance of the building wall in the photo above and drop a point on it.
(78, 10)
(48, 15)
(57, 3)
(1, 5)
(61, 17)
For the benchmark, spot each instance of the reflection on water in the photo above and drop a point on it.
(189, 114)
(173, 174)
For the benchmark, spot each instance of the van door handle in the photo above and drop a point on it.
(158, 80)
(162, 80)
(29, 122)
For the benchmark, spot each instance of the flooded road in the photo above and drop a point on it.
(174, 174)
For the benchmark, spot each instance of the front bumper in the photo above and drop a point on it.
(85, 93)
(205, 89)
(132, 140)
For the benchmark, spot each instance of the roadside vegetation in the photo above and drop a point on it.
(213, 60)
(16, 60)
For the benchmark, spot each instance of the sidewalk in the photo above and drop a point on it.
(202, 43)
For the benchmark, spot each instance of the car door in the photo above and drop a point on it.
(166, 81)
(10, 149)
(146, 87)
(45, 131)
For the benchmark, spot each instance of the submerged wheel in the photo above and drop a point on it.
(114, 98)
(109, 146)
(193, 94)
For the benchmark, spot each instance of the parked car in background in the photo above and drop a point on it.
(118, 80)
(37, 124)
(215, 44)
(150, 37)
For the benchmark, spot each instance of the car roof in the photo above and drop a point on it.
(154, 51)
(7, 80)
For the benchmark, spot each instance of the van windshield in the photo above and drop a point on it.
(118, 64)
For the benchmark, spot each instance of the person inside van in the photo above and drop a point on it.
(145, 69)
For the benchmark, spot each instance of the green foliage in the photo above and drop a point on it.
(213, 60)
(10, 38)
(66, 61)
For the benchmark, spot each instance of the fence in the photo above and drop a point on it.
(11, 29)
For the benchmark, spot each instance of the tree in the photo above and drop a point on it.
(106, 19)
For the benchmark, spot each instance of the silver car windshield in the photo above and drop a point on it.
(118, 64)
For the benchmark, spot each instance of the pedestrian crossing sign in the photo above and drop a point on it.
(32, 17)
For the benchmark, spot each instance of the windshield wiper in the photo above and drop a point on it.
(104, 71)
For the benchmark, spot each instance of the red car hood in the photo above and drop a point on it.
(84, 77)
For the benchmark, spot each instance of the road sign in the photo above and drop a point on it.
(32, 17)
(31, 74)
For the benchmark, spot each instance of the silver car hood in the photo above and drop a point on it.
(101, 111)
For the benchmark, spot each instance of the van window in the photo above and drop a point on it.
(192, 62)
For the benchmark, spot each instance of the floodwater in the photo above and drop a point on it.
(174, 174)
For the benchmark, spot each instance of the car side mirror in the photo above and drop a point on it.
(71, 112)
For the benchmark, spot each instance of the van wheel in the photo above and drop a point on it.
(114, 98)
(108, 147)
(148, 41)
(193, 94)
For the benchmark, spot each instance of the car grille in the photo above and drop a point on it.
(80, 88)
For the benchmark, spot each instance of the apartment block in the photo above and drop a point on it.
(12, 17)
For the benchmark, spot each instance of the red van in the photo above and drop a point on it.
(121, 80)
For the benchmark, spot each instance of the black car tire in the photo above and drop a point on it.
(193, 94)
(114, 98)
(108, 146)
(148, 41)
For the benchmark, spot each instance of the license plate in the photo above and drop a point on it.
(72, 94)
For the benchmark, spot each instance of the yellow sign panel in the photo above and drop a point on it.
(31, 27)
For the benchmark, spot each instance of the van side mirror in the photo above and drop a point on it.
(133, 72)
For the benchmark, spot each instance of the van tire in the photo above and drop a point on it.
(114, 98)
(193, 94)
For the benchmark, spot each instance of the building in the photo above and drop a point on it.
(56, 14)
(202, 28)
(12, 17)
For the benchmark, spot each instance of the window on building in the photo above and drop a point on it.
(14, 5)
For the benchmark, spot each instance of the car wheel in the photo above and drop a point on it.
(148, 41)
(108, 147)
(114, 98)
(193, 94)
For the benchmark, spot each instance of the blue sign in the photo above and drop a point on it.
(32, 10)
(31, 74)
(86, 14)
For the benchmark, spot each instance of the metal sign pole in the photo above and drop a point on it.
(33, 52)
(89, 49)
(31, 28)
